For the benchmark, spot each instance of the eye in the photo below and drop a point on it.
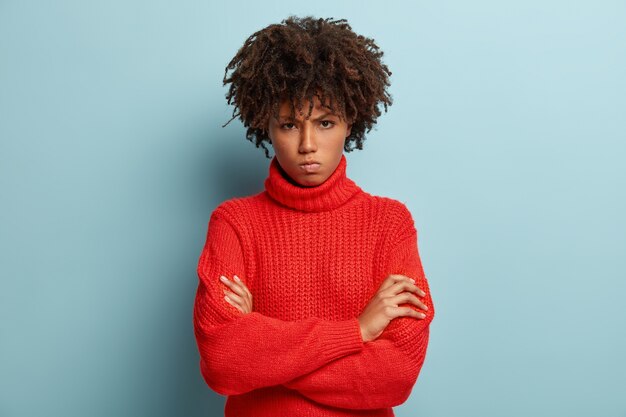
(328, 121)
(286, 124)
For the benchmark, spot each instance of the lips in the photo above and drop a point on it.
(310, 167)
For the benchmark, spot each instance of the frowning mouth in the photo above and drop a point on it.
(310, 167)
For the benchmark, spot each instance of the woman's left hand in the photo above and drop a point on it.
(240, 297)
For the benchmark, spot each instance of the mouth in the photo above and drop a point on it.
(310, 167)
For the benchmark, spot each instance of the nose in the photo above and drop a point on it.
(308, 142)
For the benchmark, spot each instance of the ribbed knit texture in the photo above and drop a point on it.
(312, 257)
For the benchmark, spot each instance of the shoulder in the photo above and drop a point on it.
(394, 211)
(396, 216)
(237, 211)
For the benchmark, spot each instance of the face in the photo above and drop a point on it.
(319, 139)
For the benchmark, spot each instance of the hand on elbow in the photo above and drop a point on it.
(385, 305)
(239, 295)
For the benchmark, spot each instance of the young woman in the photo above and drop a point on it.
(312, 299)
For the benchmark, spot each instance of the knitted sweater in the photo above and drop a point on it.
(312, 257)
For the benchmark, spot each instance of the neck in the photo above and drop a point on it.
(331, 194)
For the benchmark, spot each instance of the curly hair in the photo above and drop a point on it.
(305, 57)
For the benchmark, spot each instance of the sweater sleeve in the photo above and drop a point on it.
(242, 352)
(384, 372)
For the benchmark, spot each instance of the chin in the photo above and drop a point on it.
(310, 180)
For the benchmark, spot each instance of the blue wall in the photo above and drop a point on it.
(506, 140)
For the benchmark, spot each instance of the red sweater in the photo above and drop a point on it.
(312, 258)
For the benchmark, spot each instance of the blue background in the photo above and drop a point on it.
(506, 140)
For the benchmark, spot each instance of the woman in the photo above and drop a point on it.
(312, 298)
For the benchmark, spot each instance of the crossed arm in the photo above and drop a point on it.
(240, 353)
(328, 361)
(384, 372)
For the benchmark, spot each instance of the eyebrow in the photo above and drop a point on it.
(287, 117)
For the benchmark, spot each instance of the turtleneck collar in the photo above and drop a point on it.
(332, 193)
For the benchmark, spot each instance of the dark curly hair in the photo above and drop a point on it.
(305, 57)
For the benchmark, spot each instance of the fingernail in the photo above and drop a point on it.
(223, 278)
(412, 280)
(237, 278)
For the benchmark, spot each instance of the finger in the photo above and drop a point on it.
(421, 291)
(414, 288)
(234, 286)
(248, 298)
(231, 302)
(235, 298)
(246, 295)
(393, 279)
(243, 285)
(398, 287)
(408, 311)
(408, 297)
(226, 281)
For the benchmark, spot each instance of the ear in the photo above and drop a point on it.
(349, 130)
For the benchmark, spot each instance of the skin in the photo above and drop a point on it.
(321, 138)
(381, 309)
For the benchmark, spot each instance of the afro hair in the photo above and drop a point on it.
(305, 57)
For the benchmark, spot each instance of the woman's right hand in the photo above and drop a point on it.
(383, 307)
